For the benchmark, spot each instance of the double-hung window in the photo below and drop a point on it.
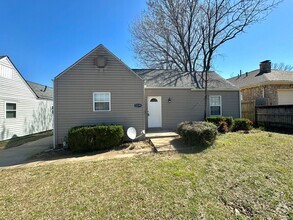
(215, 105)
(10, 110)
(101, 101)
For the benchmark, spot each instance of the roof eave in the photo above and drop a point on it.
(266, 83)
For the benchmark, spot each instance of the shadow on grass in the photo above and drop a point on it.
(183, 148)
(16, 141)
(279, 130)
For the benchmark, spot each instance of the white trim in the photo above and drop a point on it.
(109, 93)
(210, 96)
(5, 116)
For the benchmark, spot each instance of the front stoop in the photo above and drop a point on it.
(162, 140)
(161, 135)
(163, 144)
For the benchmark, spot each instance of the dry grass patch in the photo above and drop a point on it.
(241, 176)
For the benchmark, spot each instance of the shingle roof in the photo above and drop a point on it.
(254, 78)
(173, 78)
(42, 91)
(2, 57)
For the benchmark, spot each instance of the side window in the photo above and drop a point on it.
(215, 105)
(101, 101)
(10, 110)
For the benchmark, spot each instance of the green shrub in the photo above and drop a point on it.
(223, 127)
(242, 124)
(95, 137)
(217, 119)
(198, 133)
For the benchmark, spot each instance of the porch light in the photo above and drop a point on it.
(169, 100)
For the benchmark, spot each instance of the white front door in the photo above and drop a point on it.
(154, 111)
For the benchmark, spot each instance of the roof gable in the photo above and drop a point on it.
(19, 74)
(94, 51)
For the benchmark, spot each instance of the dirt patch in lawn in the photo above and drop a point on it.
(66, 156)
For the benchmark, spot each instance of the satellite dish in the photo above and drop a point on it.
(131, 133)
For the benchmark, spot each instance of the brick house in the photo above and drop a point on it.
(265, 86)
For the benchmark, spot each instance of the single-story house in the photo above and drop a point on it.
(25, 107)
(99, 88)
(265, 86)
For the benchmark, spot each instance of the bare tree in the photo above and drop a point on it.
(282, 66)
(185, 34)
(167, 35)
(223, 20)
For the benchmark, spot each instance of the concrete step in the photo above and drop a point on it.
(161, 134)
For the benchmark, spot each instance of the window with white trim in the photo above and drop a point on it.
(10, 110)
(215, 105)
(101, 101)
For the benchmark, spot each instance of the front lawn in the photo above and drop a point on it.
(241, 176)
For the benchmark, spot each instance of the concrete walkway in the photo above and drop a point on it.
(18, 155)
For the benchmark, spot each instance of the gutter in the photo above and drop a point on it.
(192, 89)
(266, 83)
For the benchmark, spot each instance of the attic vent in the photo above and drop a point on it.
(101, 62)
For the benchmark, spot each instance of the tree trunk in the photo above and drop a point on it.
(206, 95)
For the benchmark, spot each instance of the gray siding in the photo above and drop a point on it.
(73, 94)
(32, 115)
(188, 105)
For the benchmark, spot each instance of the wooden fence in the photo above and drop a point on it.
(248, 110)
(280, 116)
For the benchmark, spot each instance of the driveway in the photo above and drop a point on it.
(18, 155)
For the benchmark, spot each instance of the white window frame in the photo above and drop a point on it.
(109, 93)
(5, 110)
(213, 96)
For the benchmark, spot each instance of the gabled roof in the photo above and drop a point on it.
(37, 89)
(254, 78)
(106, 49)
(176, 79)
(42, 91)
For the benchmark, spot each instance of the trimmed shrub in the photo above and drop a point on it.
(217, 119)
(95, 137)
(242, 124)
(223, 127)
(198, 133)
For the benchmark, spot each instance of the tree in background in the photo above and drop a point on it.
(185, 34)
(282, 66)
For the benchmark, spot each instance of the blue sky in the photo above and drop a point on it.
(45, 37)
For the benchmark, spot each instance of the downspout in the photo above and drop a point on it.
(240, 106)
(54, 115)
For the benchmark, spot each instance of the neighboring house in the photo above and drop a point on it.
(99, 88)
(25, 107)
(265, 86)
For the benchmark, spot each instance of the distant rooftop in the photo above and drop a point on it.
(255, 77)
(42, 91)
(173, 78)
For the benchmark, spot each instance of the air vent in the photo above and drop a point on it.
(101, 62)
